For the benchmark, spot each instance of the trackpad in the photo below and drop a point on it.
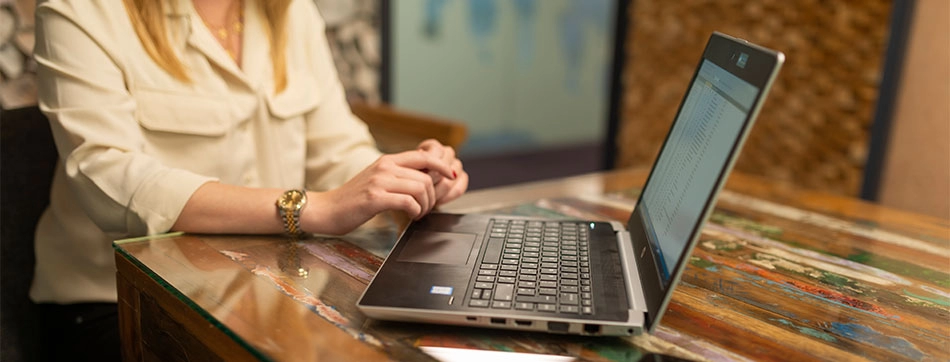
(437, 247)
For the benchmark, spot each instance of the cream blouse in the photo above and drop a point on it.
(135, 143)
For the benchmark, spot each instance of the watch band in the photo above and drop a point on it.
(289, 206)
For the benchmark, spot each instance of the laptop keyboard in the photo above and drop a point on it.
(535, 266)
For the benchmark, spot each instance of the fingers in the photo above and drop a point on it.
(432, 146)
(448, 191)
(417, 198)
(392, 177)
(422, 160)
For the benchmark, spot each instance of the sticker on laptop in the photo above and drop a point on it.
(436, 289)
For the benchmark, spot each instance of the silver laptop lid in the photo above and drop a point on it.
(714, 118)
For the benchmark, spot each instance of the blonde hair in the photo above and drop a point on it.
(148, 20)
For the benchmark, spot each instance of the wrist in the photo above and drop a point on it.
(290, 208)
(311, 218)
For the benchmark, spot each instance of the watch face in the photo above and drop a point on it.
(292, 199)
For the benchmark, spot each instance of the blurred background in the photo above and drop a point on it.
(556, 88)
(562, 87)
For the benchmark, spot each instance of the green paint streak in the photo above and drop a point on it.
(935, 300)
(808, 331)
(862, 257)
(835, 280)
(741, 223)
(884, 263)
(908, 270)
(702, 263)
(817, 334)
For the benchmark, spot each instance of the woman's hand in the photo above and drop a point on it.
(403, 181)
(446, 189)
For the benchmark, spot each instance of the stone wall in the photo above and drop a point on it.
(17, 68)
(814, 128)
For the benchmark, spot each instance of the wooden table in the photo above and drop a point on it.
(779, 274)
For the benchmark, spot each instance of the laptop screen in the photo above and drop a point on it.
(690, 164)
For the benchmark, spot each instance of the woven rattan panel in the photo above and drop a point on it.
(813, 129)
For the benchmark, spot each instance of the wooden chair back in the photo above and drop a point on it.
(398, 130)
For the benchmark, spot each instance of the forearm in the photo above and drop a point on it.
(217, 208)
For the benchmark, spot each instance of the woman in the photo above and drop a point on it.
(197, 116)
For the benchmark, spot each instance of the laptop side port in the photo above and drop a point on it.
(558, 327)
(522, 323)
(471, 318)
(591, 329)
(497, 321)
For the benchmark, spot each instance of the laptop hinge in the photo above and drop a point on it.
(628, 261)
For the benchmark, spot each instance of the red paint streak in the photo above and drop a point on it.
(358, 254)
(807, 288)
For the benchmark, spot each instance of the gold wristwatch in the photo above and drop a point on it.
(289, 206)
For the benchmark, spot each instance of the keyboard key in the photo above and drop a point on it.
(501, 305)
(476, 293)
(493, 251)
(548, 284)
(547, 291)
(506, 280)
(568, 298)
(491, 272)
(546, 308)
(507, 273)
(483, 285)
(527, 284)
(569, 309)
(549, 299)
(568, 289)
(485, 278)
(478, 303)
(525, 291)
(504, 291)
(524, 306)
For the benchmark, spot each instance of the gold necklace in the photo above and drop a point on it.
(226, 33)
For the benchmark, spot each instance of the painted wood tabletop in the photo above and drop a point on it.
(779, 274)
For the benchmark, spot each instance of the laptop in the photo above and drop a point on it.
(576, 276)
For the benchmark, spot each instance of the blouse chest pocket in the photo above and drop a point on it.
(293, 102)
(183, 114)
